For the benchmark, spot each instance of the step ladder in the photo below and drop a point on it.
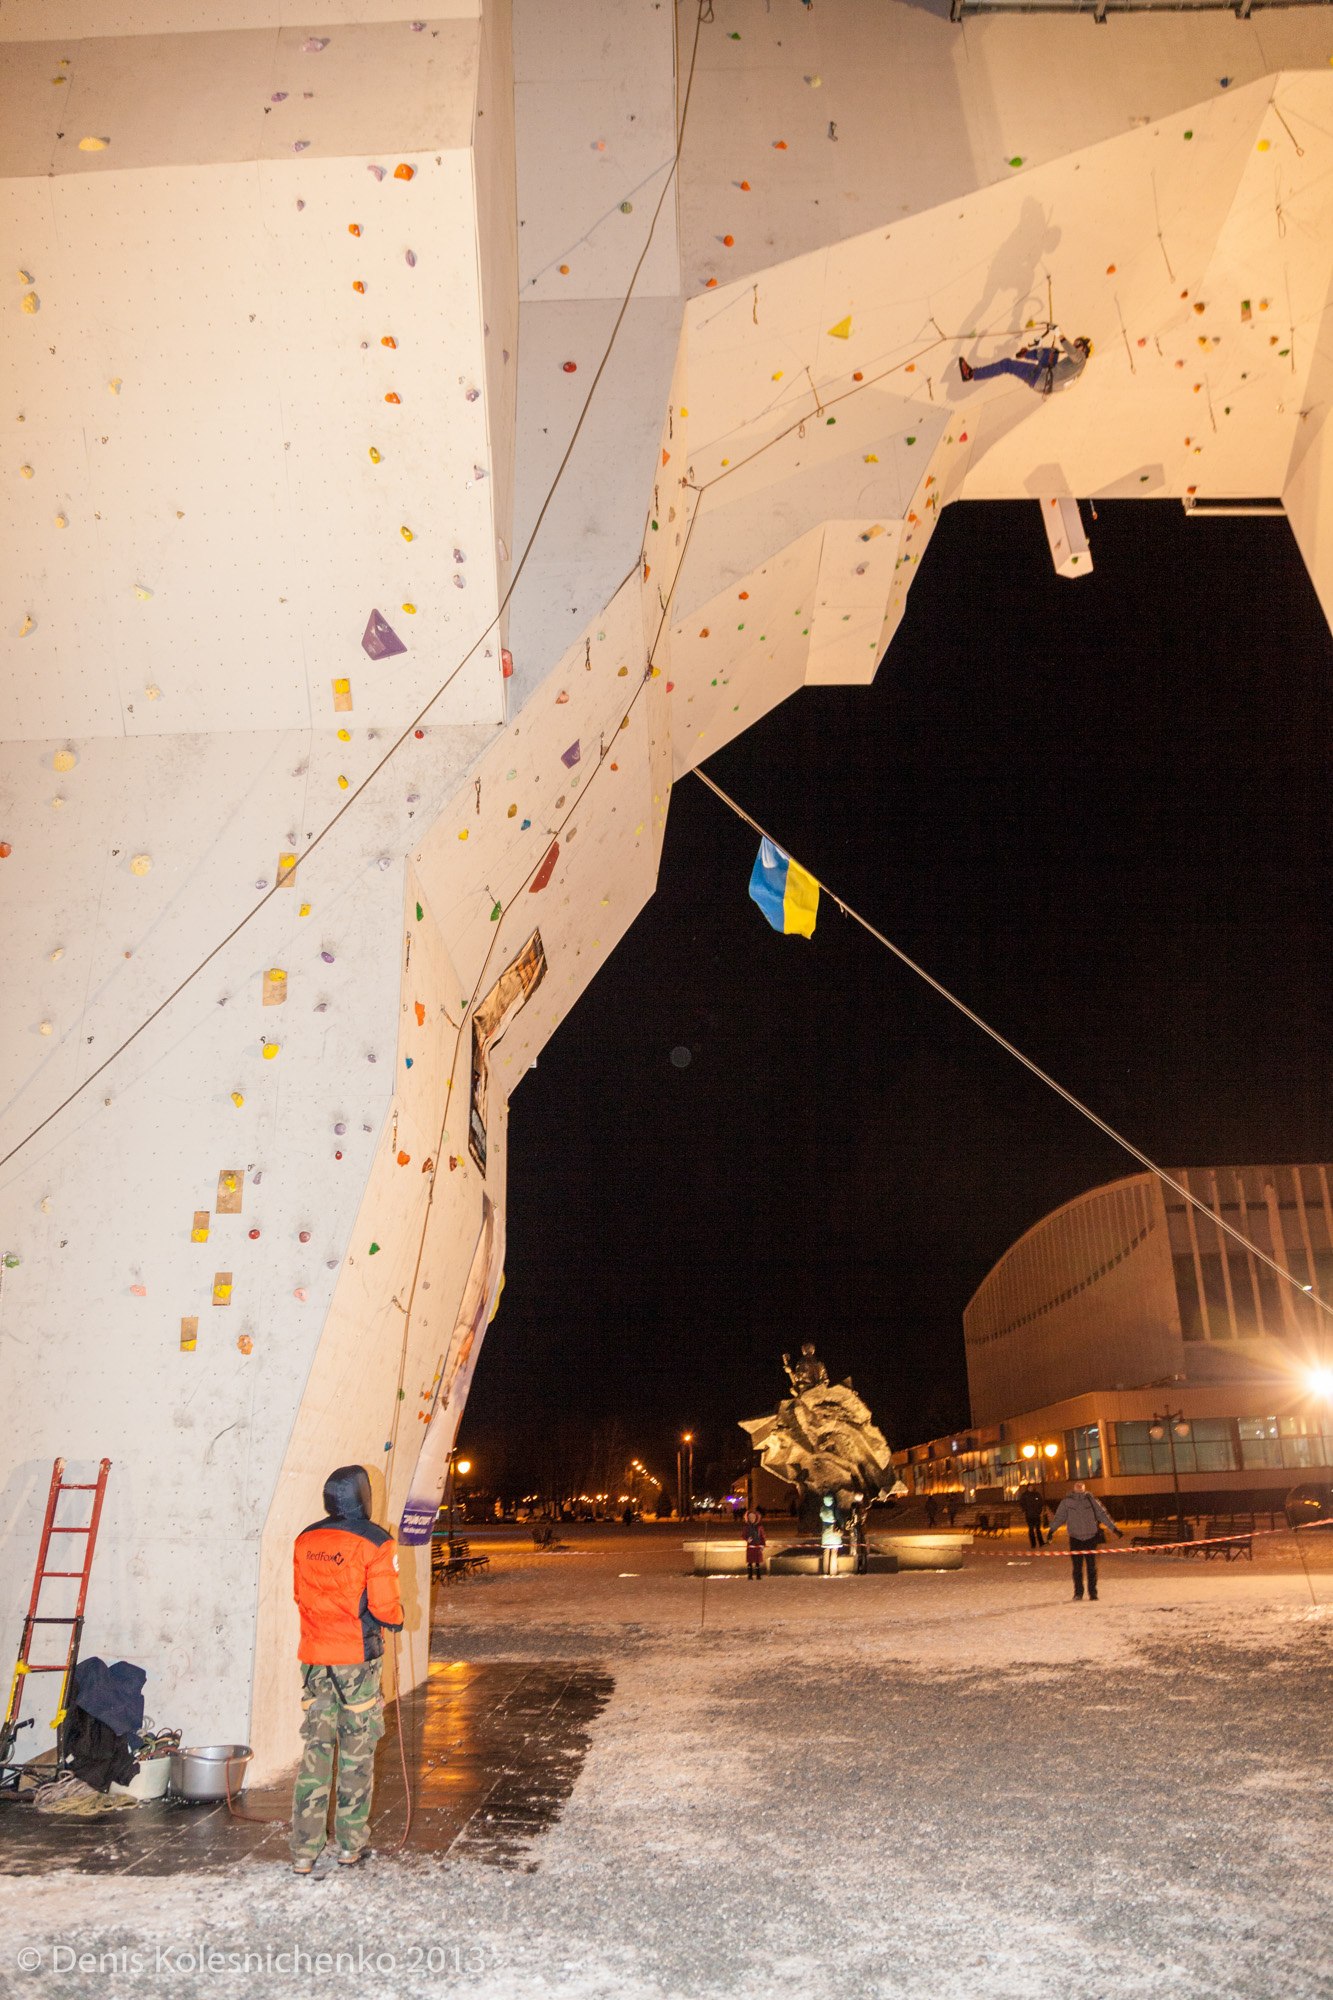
(25, 1664)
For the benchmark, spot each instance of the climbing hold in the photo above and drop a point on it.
(237, 1099)
(843, 329)
(506, 663)
(571, 367)
(379, 172)
(143, 593)
(357, 285)
(1189, 135)
(1017, 160)
(140, 864)
(420, 1014)
(1262, 146)
(312, 44)
(254, 1236)
(411, 610)
(354, 229)
(407, 1061)
(462, 833)
(379, 641)
(627, 208)
(410, 259)
(407, 534)
(93, 145)
(30, 302)
(710, 285)
(270, 1050)
(1110, 270)
(564, 270)
(303, 1235)
(496, 913)
(26, 471)
(779, 145)
(392, 398)
(512, 813)
(404, 1159)
(730, 242)
(402, 172)
(45, 1028)
(64, 760)
(343, 782)
(387, 340)
(301, 146)
(374, 1249)
(569, 758)
(374, 456)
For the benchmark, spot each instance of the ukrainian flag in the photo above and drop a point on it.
(788, 897)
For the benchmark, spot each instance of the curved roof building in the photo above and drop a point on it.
(1128, 1286)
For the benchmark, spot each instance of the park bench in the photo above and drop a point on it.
(993, 1524)
(544, 1536)
(454, 1562)
(1230, 1551)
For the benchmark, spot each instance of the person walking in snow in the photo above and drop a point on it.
(1084, 1516)
(1044, 369)
(1032, 1506)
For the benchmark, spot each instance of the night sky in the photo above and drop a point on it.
(1097, 811)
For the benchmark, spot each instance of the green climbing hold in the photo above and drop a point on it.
(1017, 160)
(911, 440)
(627, 208)
(496, 914)
(1189, 135)
(374, 1249)
(420, 913)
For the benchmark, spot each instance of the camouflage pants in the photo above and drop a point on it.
(344, 1712)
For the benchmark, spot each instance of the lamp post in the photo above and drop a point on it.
(1171, 1424)
(685, 1476)
(1047, 1450)
(458, 1467)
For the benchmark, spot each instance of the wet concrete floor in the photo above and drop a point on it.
(493, 1752)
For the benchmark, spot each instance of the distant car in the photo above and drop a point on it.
(1305, 1505)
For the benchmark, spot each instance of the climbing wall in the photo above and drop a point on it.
(312, 840)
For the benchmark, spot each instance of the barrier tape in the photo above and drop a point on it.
(1178, 1548)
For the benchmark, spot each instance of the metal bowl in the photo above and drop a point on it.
(203, 1776)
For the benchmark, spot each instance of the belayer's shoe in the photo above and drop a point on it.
(354, 1860)
(964, 370)
(304, 1866)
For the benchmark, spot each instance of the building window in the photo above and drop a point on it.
(1187, 1298)
(1294, 1442)
(1209, 1447)
(1083, 1452)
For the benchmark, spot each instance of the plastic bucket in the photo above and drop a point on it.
(203, 1776)
(151, 1782)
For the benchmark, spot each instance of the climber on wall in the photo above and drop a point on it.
(1045, 368)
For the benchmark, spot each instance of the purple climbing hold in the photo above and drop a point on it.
(340, 1128)
(379, 172)
(411, 257)
(569, 758)
(379, 640)
(278, 97)
(327, 957)
(313, 44)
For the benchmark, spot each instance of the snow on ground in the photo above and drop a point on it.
(960, 1785)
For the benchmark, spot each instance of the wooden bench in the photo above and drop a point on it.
(993, 1524)
(451, 1562)
(1229, 1551)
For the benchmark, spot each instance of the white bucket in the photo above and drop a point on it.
(151, 1782)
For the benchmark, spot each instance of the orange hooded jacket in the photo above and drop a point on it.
(346, 1577)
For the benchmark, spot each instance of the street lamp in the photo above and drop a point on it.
(685, 1476)
(458, 1467)
(1171, 1424)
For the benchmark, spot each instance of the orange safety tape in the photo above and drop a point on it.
(1176, 1548)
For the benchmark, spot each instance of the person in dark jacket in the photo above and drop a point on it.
(1082, 1514)
(346, 1587)
(1033, 1506)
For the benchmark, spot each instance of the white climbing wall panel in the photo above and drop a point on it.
(237, 1255)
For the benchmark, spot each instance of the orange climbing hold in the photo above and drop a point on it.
(730, 242)
(421, 1014)
(779, 145)
(357, 285)
(710, 285)
(666, 458)
(404, 1159)
(354, 229)
(392, 398)
(402, 172)
(745, 187)
(387, 340)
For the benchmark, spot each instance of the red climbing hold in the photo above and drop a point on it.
(571, 368)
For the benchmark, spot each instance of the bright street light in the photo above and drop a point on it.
(1319, 1381)
(463, 1465)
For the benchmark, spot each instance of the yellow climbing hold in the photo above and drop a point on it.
(411, 610)
(26, 626)
(26, 471)
(64, 760)
(62, 520)
(871, 458)
(462, 833)
(843, 329)
(93, 145)
(113, 386)
(407, 534)
(270, 1050)
(30, 302)
(237, 1099)
(374, 456)
(142, 592)
(141, 864)
(342, 782)
(304, 910)
(344, 735)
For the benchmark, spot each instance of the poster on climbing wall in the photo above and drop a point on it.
(476, 1309)
(490, 1018)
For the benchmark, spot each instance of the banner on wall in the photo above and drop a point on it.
(481, 1297)
(491, 1016)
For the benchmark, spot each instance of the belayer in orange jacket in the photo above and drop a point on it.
(346, 1587)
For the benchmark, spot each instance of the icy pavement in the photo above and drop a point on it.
(957, 1785)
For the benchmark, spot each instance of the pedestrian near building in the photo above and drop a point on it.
(1082, 1514)
(932, 1510)
(1033, 1506)
(755, 1541)
(346, 1587)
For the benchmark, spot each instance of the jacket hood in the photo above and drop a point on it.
(347, 1493)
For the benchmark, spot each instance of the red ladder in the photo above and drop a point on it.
(25, 1665)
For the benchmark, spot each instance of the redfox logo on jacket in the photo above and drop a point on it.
(345, 1576)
